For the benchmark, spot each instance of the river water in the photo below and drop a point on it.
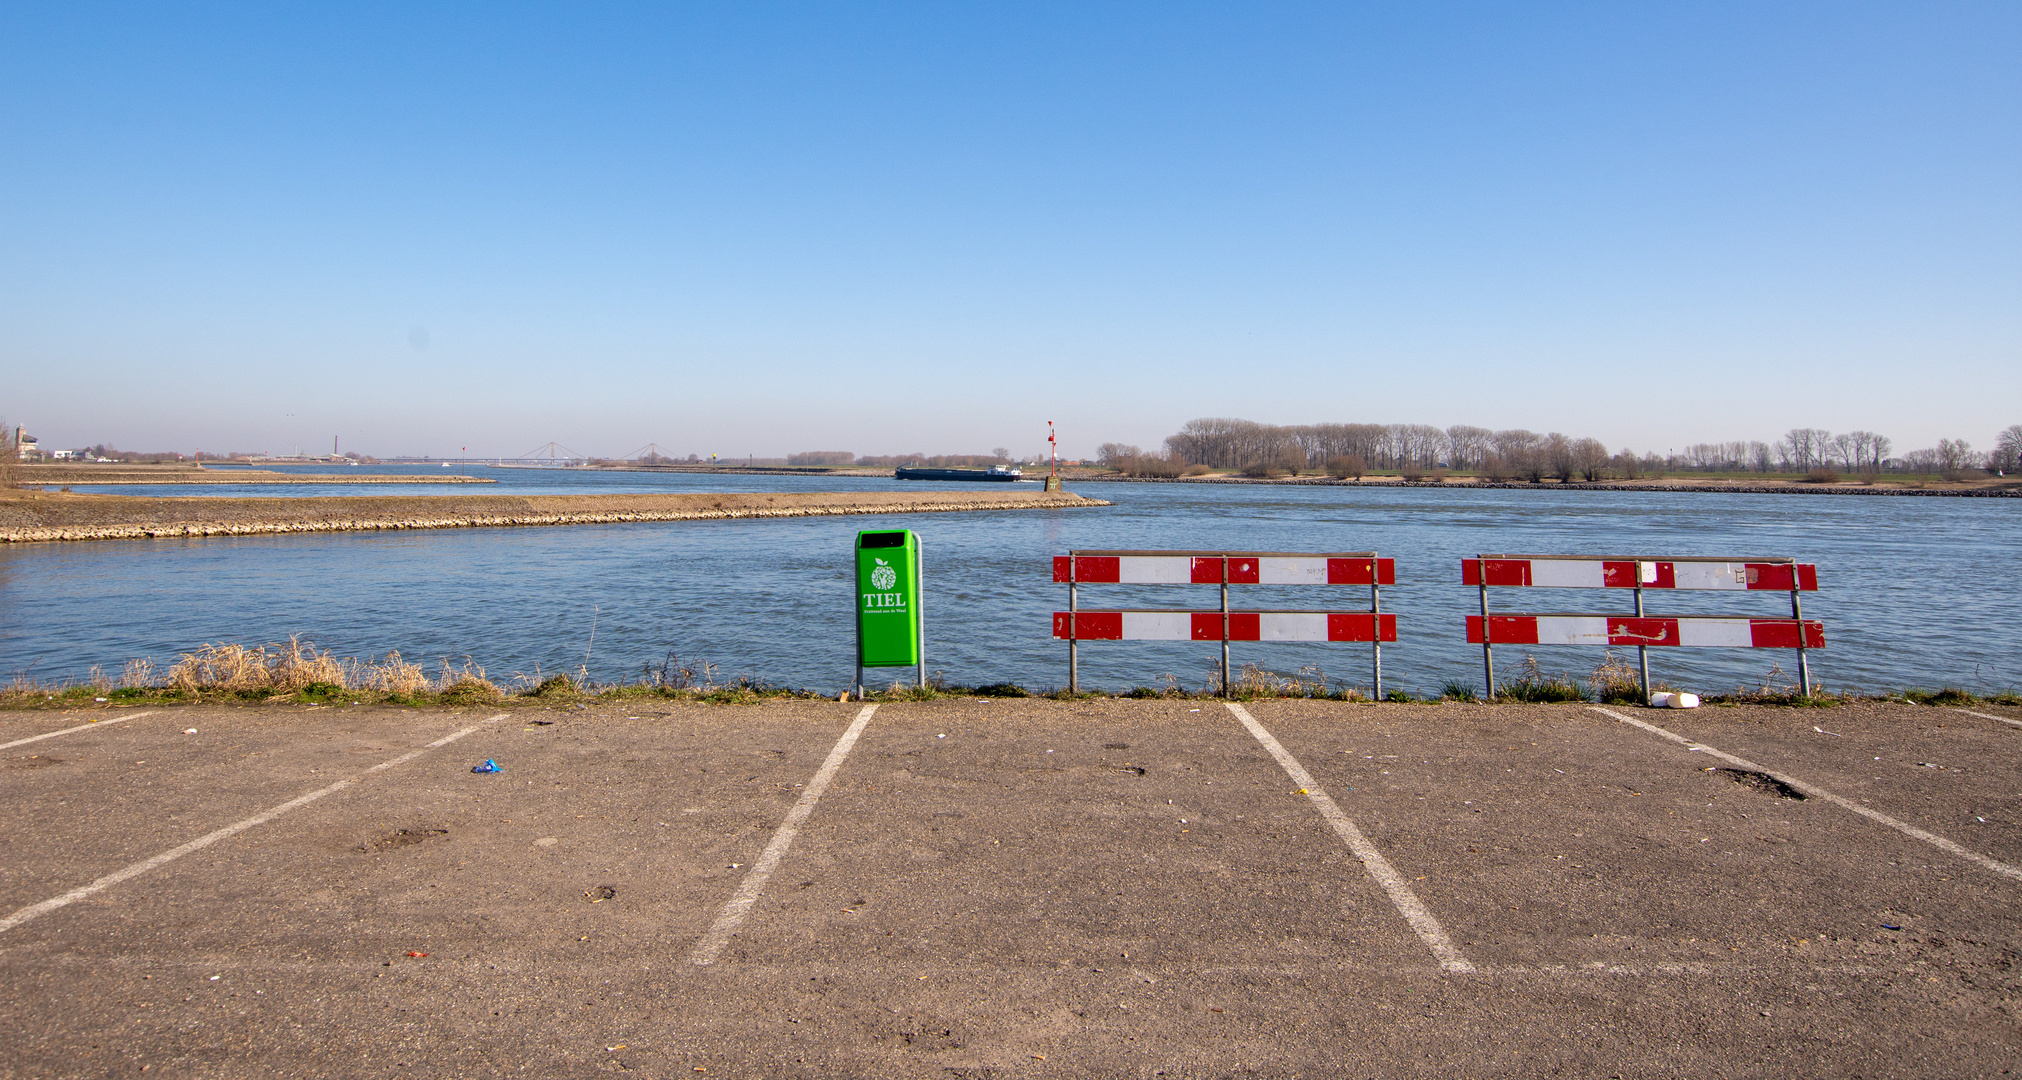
(1913, 591)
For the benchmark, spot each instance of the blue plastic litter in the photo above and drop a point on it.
(488, 766)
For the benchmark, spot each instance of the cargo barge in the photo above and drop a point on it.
(995, 472)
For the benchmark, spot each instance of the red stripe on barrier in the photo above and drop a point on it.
(1361, 571)
(1098, 568)
(1778, 577)
(1507, 629)
(1207, 571)
(1063, 568)
(1360, 626)
(1782, 634)
(1089, 625)
(1498, 571)
(1242, 571)
(1207, 625)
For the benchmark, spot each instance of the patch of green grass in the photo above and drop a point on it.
(316, 693)
(1003, 690)
(554, 686)
(470, 692)
(1455, 690)
(1542, 691)
(1789, 698)
(1949, 695)
(1400, 695)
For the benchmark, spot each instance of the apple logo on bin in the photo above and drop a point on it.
(884, 577)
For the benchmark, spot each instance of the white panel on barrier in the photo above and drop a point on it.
(1705, 575)
(1154, 570)
(1566, 574)
(1292, 625)
(1157, 626)
(1293, 572)
(1716, 633)
(1572, 629)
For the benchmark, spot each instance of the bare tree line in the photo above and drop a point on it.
(1348, 449)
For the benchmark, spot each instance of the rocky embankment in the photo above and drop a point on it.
(45, 516)
(88, 475)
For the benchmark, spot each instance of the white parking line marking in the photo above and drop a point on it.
(1968, 712)
(1816, 792)
(739, 906)
(1407, 903)
(229, 831)
(80, 727)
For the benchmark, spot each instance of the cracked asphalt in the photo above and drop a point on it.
(1010, 888)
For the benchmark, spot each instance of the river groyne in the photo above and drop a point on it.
(122, 475)
(43, 516)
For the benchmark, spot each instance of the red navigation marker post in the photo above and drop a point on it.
(1053, 450)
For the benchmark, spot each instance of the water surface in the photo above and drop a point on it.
(1907, 596)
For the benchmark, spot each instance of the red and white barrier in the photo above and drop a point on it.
(1362, 626)
(1686, 631)
(1545, 571)
(1641, 629)
(1223, 569)
(1237, 569)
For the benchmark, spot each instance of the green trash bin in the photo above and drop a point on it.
(889, 627)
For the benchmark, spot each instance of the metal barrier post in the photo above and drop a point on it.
(1797, 612)
(1376, 647)
(1642, 651)
(1073, 641)
(1487, 650)
(1225, 627)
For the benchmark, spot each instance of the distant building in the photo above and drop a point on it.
(25, 446)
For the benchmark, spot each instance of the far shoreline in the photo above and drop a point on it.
(1996, 489)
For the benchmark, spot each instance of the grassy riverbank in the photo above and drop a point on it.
(298, 673)
(44, 516)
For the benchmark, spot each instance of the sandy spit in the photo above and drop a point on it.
(36, 516)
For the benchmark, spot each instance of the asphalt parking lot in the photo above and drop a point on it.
(976, 888)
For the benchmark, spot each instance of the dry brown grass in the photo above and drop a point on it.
(1255, 682)
(298, 666)
(1616, 681)
(283, 669)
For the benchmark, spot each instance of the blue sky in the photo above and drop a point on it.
(761, 228)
